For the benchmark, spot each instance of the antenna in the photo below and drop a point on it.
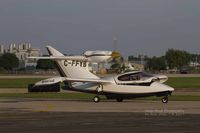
(114, 43)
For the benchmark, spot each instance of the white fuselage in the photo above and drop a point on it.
(115, 88)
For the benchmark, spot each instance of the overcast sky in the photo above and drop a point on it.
(74, 26)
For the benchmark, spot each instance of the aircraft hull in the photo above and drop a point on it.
(112, 91)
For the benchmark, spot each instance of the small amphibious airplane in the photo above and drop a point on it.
(75, 73)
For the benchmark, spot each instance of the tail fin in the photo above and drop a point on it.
(71, 68)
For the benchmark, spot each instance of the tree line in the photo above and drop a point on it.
(10, 62)
(173, 59)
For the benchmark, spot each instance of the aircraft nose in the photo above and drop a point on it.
(170, 88)
(167, 88)
(163, 86)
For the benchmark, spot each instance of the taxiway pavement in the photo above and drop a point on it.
(137, 106)
(50, 116)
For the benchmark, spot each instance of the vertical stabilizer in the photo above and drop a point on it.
(71, 68)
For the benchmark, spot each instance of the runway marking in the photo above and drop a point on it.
(43, 107)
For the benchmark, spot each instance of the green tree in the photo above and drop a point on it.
(117, 64)
(156, 63)
(45, 64)
(9, 61)
(177, 58)
(195, 58)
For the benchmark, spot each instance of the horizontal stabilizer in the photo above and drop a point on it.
(82, 58)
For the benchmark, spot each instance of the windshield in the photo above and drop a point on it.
(134, 76)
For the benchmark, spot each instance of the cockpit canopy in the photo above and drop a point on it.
(134, 76)
(139, 77)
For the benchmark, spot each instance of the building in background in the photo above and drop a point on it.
(22, 51)
(1, 49)
(138, 62)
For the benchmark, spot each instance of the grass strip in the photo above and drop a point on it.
(175, 82)
(17, 82)
(184, 82)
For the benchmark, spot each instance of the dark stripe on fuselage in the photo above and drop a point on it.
(132, 96)
(136, 84)
(96, 55)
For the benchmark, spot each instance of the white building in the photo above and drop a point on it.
(23, 51)
(1, 49)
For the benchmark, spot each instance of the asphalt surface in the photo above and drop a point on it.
(59, 122)
(50, 116)
(49, 105)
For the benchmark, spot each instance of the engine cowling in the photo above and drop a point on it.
(98, 56)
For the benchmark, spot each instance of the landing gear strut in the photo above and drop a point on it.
(165, 99)
(96, 99)
(99, 90)
(119, 99)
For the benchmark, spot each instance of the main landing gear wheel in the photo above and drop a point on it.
(96, 99)
(165, 100)
(119, 99)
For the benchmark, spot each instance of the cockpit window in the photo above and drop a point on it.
(144, 74)
(134, 76)
(129, 77)
(124, 78)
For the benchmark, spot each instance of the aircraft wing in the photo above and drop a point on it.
(55, 80)
(88, 80)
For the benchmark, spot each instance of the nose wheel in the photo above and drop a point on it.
(165, 100)
(96, 99)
